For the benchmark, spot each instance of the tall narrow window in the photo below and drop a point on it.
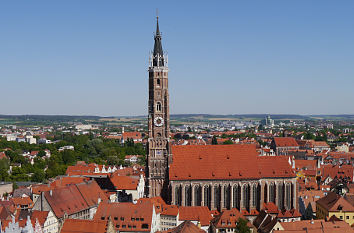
(254, 195)
(158, 107)
(158, 82)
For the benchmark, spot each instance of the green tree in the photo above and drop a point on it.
(242, 227)
(68, 157)
(228, 142)
(38, 176)
(41, 153)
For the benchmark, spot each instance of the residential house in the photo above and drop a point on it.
(282, 145)
(128, 188)
(334, 204)
(129, 217)
(77, 201)
(88, 226)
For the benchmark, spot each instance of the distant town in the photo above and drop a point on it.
(105, 161)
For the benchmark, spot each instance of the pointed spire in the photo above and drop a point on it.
(157, 26)
(158, 58)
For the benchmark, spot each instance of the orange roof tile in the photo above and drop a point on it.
(124, 182)
(127, 216)
(84, 225)
(285, 142)
(270, 208)
(334, 202)
(234, 162)
(195, 213)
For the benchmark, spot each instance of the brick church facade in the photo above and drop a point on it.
(217, 176)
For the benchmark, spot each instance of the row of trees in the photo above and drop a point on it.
(87, 148)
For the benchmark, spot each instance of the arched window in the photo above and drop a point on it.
(188, 195)
(288, 196)
(272, 193)
(207, 196)
(178, 195)
(198, 195)
(217, 197)
(236, 196)
(158, 82)
(280, 196)
(158, 106)
(254, 195)
(246, 197)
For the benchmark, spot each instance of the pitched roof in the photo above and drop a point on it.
(171, 210)
(337, 171)
(127, 216)
(124, 182)
(228, 218)
(84, 225)
(40, 215)
(91, 192)
(18, 201)
(303, 164)
(270, 208)
(157, 201)
(74, 198)
(313, 225)
(240, 161)
(195, 213)
(65, 180)
(186, 227)
(335, 202)
(65, 200)
(285, 142)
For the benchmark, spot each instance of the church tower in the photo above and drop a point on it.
(158, 122)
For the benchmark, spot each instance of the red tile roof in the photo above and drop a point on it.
(228, 219)
(40, 215)
(285, 142)
(124, 182)
(334, 202)
(74, 198)
(127, 216)
(19, 201)
(315, 226)
(171, 210)
(86, 226)
(65, 200)
(158, 202)
(337, 171)
(225, 162)
(186, 227)
(302, 164)
(195, 213)
(64, 181)
(3, 155)
(270, 208)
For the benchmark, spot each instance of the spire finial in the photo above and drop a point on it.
(157, 22)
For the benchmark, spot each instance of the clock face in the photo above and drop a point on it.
(158, 121)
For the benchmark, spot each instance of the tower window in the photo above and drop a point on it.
(158, 82)
(158, 107)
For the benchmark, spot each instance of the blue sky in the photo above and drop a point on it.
(225, 57)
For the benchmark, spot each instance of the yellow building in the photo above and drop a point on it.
(334, 204)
